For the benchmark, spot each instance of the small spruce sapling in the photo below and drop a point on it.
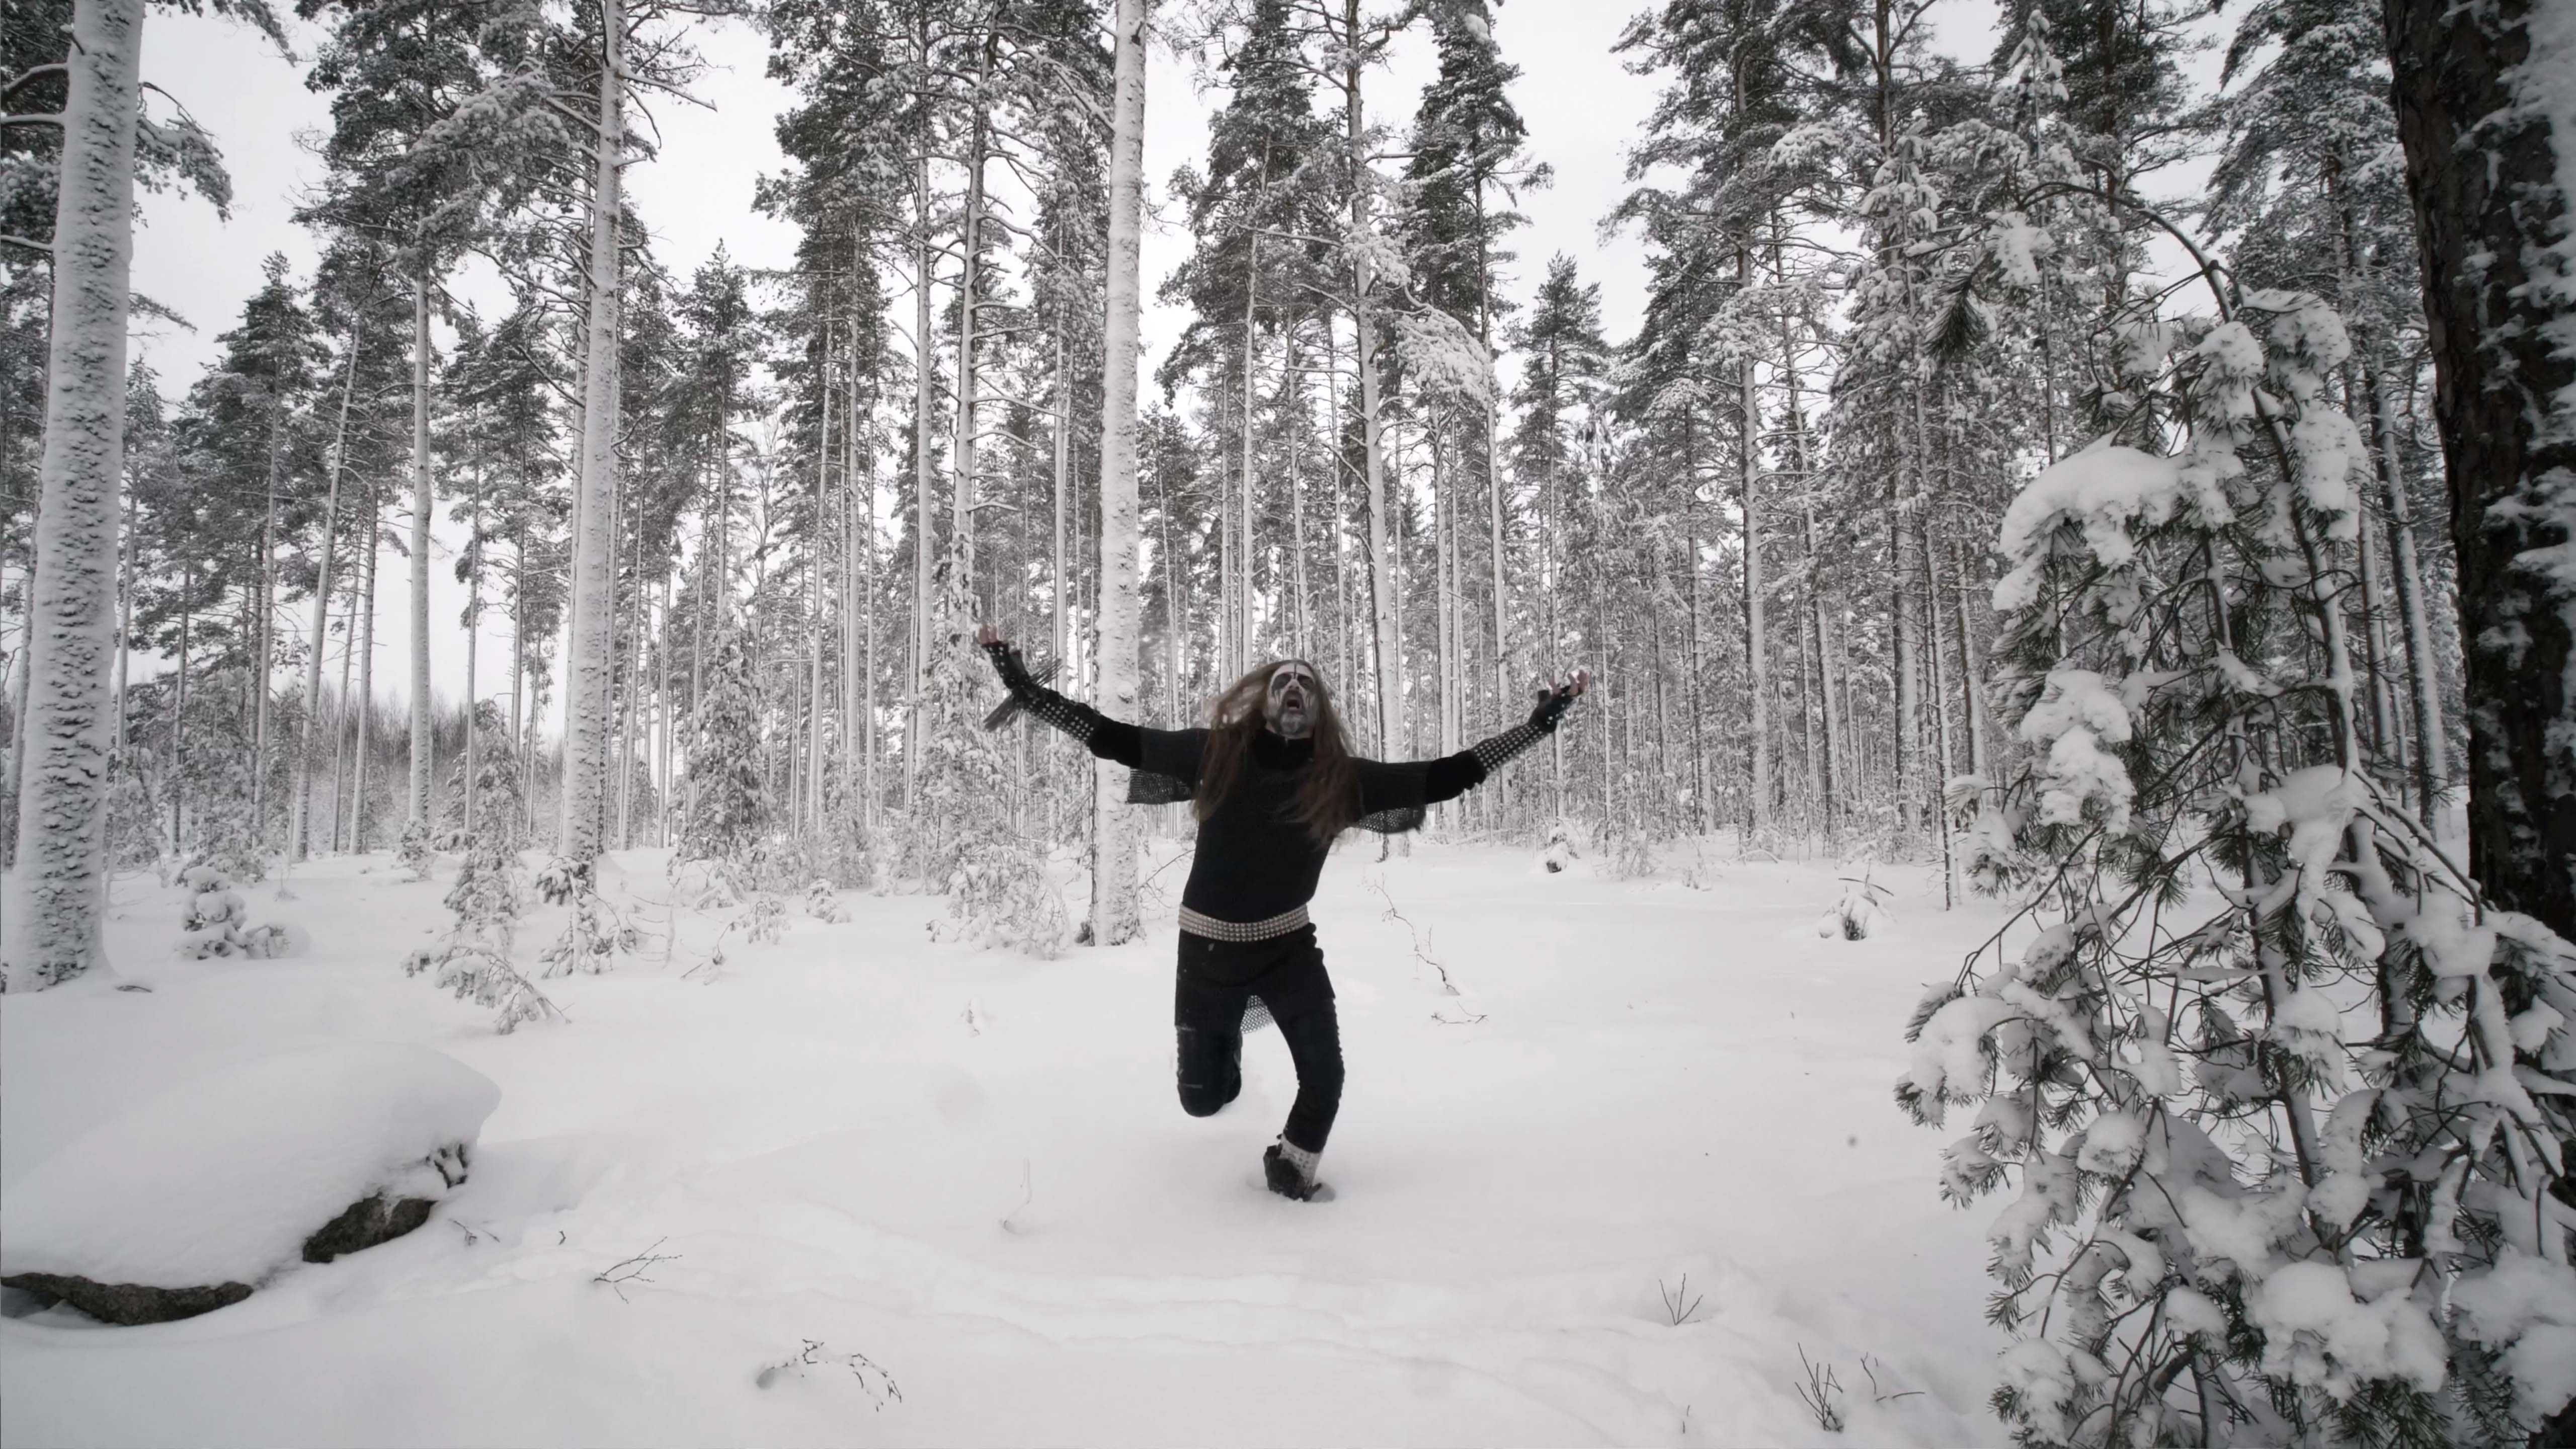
(217, 924)
(1861, 910)
(823, 905)
(475, 961)
(1557, 851)
(593, 932)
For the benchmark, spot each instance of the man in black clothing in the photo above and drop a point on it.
(1273, 783)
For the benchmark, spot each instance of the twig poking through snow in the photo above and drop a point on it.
(1679, 1303)
(1818, 1392)
(1421, 946)
(1878, 1395)
(631, 1270)
(879, 1389)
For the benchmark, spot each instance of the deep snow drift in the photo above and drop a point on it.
(869, 1188)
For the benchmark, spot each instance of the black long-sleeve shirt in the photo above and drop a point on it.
(1255, 860)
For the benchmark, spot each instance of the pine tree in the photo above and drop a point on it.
(729, 808)
(477, 961)
(2267, 1232)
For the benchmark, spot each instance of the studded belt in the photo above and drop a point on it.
(1210, 928)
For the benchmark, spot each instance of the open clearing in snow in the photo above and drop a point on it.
(963, 1177)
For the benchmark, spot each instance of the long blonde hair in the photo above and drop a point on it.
(1329, 800)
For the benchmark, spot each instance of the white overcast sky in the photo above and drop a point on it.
(1581, 107)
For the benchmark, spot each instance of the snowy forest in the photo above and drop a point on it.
(2077, 536)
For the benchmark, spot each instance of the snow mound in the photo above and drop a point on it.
(221, 1179)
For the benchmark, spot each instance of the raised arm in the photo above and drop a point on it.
(1167, 752)
(1429, 782)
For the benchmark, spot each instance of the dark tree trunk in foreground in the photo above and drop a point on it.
(2490, 209)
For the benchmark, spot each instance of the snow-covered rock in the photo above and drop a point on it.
(194, 1197)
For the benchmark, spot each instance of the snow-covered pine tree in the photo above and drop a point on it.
(729, 805)
(476, 959)
(216, 924)
(1564, 364)
(2284, 1095)
(964, 838)
(1470, 165)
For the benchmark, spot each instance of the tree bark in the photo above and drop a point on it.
(1113, 837)
(58, 892)
(1757, 668)
(2486, 160)
(422, 501)
(366, 681)
(296, 844)
(589, 660)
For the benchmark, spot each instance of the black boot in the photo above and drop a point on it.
(1289, 1177)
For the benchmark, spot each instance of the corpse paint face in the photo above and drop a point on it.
(1289, 707)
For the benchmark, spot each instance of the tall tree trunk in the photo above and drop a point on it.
(590, 659)
(1757, 650)
(2499, 304)
(1389, 662)
(961, 520)
(521, 745)
(816, 615)
(1113, 836)
(124, 623)
(1292, 383)
(1243, 605)
(366, 680)
(422, 502)
(340, 715)
(264, 635)
(921, 410)
(1057, 640)
(2406, 572)
(467, 822)
(296, 844)
(58, 893)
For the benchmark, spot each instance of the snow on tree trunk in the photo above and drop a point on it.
(921, 411)
(304, 753)
(422, 501)
(2499, 245)
(1756, 642)
(366, 680)
(1113, 837)
(588, 661)
(58, 890)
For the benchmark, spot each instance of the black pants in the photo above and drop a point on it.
(1217, 978)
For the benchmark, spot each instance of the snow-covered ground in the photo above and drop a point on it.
(969, 1170)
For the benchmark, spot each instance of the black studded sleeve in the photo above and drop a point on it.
(1105, 737)
(1490, 754)
(1418, 783)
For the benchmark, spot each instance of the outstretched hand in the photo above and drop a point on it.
(986, 636)
(1555, 699)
